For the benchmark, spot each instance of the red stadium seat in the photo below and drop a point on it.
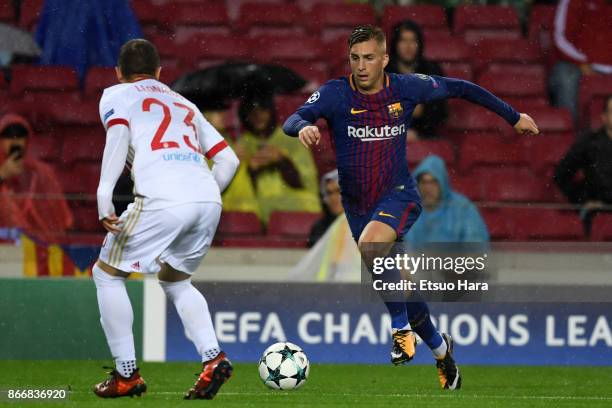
(553, 121)
(30, 13)
(474, 37)
(462, 70)
(82, 178)
(419, 150)
(536, 224)
(214, 48)
(43, 78)
(315, 72)
(517, 51)
(480, 17)
(152, 15)
(239, 224)
(591, 87)
(97, 79)
(469, 186)
(198, 13)
(279, 50)
(517, 84)
(7, 12)
(426, 15)
(601, 229)
(83, 145)
(339, 15)
(447, 50)
(537, 71)
(45, 147)
(528, 105)
(533, 224)
(477, 23)
(294, 225)
(545, 151)
(86, 218)
(287, 105)
(491, 152)
(500, 226)
(468, 117)
(268, 15)
(83, 113)
(514, 185)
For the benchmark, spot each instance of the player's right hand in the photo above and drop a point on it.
(526, 125)
(112, 224)
(309, 135)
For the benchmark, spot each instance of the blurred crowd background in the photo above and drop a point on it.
(249, 64)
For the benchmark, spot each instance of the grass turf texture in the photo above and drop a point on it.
(328, 385)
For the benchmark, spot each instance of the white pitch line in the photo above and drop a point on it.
(451, 394)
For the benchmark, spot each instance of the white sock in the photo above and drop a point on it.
(116, 317)
(125, 367)
(193, 311)
(440, 351)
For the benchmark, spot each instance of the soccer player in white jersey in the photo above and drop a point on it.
(169, 227)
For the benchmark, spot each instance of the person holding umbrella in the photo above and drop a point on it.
(274, 175)
(282, 175)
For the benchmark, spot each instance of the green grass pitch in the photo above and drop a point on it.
(328, 385)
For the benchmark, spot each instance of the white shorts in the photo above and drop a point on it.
(179, 236)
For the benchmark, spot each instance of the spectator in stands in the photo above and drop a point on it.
(406, 57)
(582, 38)
(592, 156)
(30, 195)
(447, 216)
(282, 174)
(240, 195)
(85, 33)
(332, 206)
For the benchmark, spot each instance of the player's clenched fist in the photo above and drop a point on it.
(309, 135)
(526, 125)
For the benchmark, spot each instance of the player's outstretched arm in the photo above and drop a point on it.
(436, 87)
(113, 161)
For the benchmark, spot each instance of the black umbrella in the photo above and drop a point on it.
(213, 87)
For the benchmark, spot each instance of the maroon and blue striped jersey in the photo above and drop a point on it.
(369, 131)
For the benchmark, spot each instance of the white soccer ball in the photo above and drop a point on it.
(284, 366)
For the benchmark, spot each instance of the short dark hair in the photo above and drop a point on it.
(607, 102)
(365, 33)
(138, 57)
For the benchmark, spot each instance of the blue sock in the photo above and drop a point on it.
(399, 316)
(421, 323)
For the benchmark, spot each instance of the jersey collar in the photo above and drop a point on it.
(354, 87)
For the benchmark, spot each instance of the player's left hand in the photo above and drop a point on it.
(112, 224)
(526, 125)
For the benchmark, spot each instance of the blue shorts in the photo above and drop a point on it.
(399, 208)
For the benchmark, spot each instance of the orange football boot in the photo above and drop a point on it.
(118, 386)
(214, 374)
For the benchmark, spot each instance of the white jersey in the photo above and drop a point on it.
(169, 139)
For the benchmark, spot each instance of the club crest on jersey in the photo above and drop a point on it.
(314, 97)
(395, 110)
